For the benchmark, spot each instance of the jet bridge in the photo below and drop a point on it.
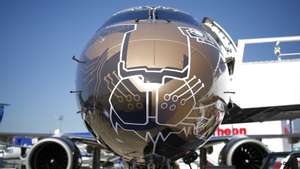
(266, 90)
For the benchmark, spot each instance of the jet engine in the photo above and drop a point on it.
(243, 153)
(54, 153)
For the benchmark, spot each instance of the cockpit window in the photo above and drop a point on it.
(139, 13)
(170, 14)
(160, 13)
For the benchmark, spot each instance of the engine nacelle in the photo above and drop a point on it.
(243, 153)
(54, 153)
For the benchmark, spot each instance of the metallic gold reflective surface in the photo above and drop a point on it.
(152, 87)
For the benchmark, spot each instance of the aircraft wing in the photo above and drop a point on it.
(260, 114)
(86, 138)
(220, 139)
(8, 138)
(11, 138)
(266, 90)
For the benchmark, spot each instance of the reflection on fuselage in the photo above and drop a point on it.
(152, 82)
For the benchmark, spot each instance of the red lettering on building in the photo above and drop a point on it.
(230, 131)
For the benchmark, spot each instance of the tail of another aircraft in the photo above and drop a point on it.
(2, 111)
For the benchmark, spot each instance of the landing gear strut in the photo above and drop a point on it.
(203, 158)
(96, 158)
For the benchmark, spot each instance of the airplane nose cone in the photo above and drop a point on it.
(149, 82)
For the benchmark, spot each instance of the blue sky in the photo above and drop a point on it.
(38, 39)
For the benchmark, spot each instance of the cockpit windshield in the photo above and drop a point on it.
(139, 13)
(148, 13)
(171, 14)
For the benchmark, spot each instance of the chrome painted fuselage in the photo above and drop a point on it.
(152, 81)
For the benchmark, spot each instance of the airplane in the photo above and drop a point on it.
(154, 84)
